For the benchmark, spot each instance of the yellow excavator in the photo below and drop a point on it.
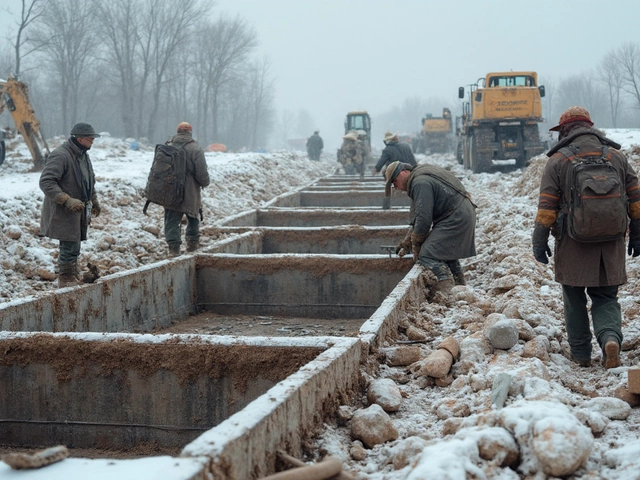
(14, 95)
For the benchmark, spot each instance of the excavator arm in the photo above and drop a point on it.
(14, 96)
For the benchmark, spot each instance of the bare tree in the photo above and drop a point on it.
(69, 46)
(285, 126)
(305, 123)
(30, 12)
(163, 32)
(260, 100)
(628, 59)
(222, 50)
(119, 30)
(609, 75)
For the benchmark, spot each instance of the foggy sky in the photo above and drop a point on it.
(332, 56)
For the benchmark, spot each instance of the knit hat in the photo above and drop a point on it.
(572, 114)
(389, 137)
(184, 127)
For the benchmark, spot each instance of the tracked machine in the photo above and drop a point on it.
(500, 120)
(14, 96)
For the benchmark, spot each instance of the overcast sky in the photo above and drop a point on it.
(332, 56)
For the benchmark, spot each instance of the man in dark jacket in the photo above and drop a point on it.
(443, 220)
(70, 200)
(315, 145)
(394, 151)
(197, 178)
(597, 267)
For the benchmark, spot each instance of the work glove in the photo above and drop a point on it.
(74, 204)
(95, 207)
(404, 246)
(416, 243)
(540, 241)
(634, 238)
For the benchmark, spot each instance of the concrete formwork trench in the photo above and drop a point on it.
(130, 366)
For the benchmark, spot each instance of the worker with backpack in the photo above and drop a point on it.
(178, 173)
(589, 197)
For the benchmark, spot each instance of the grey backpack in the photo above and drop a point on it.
(165, 184)
(598, 205)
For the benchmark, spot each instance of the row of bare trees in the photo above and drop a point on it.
(136, 68)
(610, 90)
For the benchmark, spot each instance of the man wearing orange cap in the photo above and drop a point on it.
(581, 169)
(197, 177)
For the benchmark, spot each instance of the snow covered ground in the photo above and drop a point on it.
(558, 417)
(122, 237)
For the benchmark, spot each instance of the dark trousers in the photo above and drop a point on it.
(605, 315)
(172, 221)
(69, 252)
(442, 269)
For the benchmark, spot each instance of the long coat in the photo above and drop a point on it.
(197, 175)
(446, 214)
(67, 170)
(396, 151)
(576, 263)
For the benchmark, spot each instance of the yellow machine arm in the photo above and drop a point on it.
(14, 95)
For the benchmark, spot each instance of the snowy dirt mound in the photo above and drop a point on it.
(122, 237)
(556, 419)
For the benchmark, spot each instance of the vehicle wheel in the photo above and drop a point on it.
(2, 152)
(459, 152)
(482, 154)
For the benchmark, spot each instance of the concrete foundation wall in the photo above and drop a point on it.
(343, 198)
(338, 240)
(130, 391)
(135, 301)
(244, 446)
(322, 286)
(287, 217)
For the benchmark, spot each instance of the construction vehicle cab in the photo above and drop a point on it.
(500, 120)
(14, 96)
(435, 136)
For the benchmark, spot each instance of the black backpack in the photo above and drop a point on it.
(165, 184)
(598, 204)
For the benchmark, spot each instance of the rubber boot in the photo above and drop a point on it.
(443, 286)
(193, 243)
(68, 275)
(174, 250)
(611, 353)
(458, 278)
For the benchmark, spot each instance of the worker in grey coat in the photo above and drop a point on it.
(68, 183)
(443, 220)
(197, 178)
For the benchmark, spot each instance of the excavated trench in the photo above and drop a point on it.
(163, 359)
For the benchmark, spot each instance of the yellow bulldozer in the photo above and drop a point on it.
(14, 96)
(435, 136)
(500, 120)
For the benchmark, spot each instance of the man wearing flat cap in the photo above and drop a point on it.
(443, 220)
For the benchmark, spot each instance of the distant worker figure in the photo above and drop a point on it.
(70, 199)
(315, 145)
(350, 154)
(589, 196)
(394, 151)
(365, 144)
(197, 177)
(443, 224)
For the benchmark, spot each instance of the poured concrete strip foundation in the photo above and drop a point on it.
(116, 391)
(341, 198)
(313, 217)
(348, 240)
